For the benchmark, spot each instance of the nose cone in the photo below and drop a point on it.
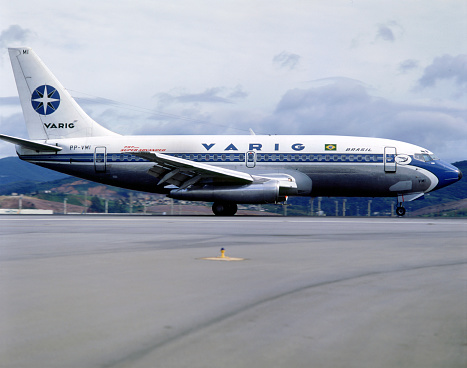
(447, 174)
(450, 175)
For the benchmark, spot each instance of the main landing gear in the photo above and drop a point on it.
(224, 208)
(400, 211)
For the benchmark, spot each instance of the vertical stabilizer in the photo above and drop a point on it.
(49, 110)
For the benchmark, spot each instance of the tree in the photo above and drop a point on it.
(96, 205)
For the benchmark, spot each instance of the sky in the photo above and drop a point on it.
(390, 69)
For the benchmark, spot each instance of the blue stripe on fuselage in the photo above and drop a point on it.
(445, 172)
(217, 157)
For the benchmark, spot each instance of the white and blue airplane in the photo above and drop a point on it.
(224, 169)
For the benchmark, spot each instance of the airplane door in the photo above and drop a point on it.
(100, 159)
(390, 159)
(250, 159)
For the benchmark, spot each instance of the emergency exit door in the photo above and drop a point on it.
(250, 159)
(390, 159)
(100, 159)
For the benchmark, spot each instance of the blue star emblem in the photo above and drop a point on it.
(45, 100)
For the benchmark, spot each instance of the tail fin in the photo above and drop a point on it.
(49, 110)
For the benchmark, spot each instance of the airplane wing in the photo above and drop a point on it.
(26, 143)
(183, 173)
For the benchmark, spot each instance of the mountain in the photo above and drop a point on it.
(14, 170)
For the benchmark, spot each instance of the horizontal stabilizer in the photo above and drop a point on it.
(26, 143)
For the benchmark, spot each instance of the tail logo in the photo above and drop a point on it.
(45, 100)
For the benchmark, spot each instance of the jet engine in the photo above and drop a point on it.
(256, 193)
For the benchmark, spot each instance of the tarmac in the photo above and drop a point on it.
(135, 291)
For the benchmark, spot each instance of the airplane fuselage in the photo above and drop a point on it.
(336, 165)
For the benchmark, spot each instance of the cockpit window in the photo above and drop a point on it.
(425, 157)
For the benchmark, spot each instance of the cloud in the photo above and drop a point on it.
(238, 92)
(341, 106)
(13, 35)
(388, 31)
(385, 33)
(14, 125)
(214, 95)
(286, 60)
(445, 67)
(346, 107)
(9, 101)
(408, 65)
(171, 117)
(333, 106)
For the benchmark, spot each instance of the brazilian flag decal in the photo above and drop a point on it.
(330, 147)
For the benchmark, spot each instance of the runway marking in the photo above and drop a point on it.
(460, 221)
(226, 259)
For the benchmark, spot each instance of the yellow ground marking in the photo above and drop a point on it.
(223, 257)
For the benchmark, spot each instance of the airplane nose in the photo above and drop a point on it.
(447, 174)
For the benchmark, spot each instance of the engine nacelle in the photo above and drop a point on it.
(256, 193)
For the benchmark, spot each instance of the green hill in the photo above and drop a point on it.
(14, 170)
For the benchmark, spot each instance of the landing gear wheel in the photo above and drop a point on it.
(224, 208)
(400, 211)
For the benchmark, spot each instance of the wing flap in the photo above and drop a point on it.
(178, 171)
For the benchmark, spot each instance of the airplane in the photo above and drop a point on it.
(224, 169)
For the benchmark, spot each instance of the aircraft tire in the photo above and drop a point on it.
(400, 211)
(224, 208)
